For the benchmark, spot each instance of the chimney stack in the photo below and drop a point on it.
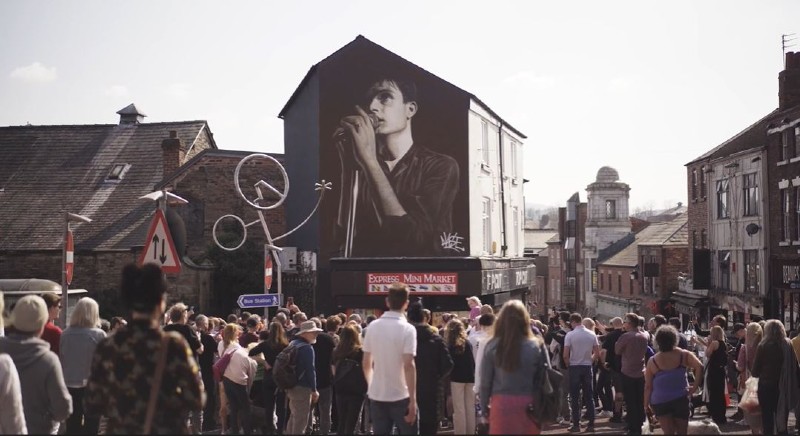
(173, 153)
(789, 82)
(130, 115)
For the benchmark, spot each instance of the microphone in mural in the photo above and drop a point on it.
(397, 194)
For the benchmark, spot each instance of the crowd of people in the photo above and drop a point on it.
(169, 370)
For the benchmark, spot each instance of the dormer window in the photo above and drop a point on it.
(117, 172)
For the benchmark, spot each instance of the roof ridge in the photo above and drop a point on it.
(734, 137)
(76, 126)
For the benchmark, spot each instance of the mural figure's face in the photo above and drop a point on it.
(388, 110)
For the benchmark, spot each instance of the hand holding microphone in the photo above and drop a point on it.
(359, 130)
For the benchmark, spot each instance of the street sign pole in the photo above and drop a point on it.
(68, 217)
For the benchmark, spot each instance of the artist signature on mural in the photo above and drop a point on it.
(451, 241)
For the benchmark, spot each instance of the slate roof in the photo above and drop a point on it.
(667, 233)
(753, 136)
(47, 170)
(537, 239)
(360, 39)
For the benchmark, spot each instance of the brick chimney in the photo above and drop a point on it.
(173, 153)
(789, 82)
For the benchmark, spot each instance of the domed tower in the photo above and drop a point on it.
(607, 221)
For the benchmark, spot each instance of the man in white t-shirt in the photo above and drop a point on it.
(389, 348)
(581, 349)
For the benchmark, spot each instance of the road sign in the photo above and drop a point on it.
(69, 262)
(249, 301)
(267, 270)
(159, 248)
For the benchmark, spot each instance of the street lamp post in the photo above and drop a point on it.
(68, 218)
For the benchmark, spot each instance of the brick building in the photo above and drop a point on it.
(783, 169)
(643, 273)
(101, 171)
(744, 214)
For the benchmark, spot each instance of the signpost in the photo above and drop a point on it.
(267, 269)
(68, 262)
(250, 301)
(69, 256)
(159, 248)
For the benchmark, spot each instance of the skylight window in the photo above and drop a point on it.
(117, 172)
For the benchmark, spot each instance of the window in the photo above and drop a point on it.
(487, 225)
(703, 238)
(513, 148)
(117, 172)
(703, 181)
(517, 230)
(797, 213)
(485, 141)
(797, 141)
(619, 282)
(786, 208)
(611, 209)
(694, 238)
(751, 270)
(694, 183)
(786, 144)
(750, 195)
(724, 269)
(722, 199)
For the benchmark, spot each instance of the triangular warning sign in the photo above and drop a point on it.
(159, 248)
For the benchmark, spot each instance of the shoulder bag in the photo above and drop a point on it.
(547, 398)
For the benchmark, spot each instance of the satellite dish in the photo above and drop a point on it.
(752, 229)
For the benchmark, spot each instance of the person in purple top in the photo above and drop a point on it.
(666, 388)
(474, 309)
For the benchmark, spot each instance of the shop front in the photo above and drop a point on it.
(786, 291)
(443, 284)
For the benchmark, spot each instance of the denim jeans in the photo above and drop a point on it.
(386, 414)
(580, 378)
(238, 406)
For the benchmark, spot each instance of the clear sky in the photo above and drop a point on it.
(642, 86)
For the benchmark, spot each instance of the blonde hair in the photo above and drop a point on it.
(229, 333)
(717, 334)
(588, 323)
(510, 330)
(86, 314)
(752, 337)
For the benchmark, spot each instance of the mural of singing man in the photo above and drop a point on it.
(397, 194)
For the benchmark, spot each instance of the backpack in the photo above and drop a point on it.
(547, 400)
(284, 371)
(349, 378)
(221, 365)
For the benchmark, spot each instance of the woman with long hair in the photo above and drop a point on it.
(237, 379)
(666, 388)
(125, 365)
(744, 364)
(274, 398)
(347, 356)
(717, 354)
(512, 361)
(462, 377)
(78, 343)
(768, 366)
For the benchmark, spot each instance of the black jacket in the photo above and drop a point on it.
(433, 362)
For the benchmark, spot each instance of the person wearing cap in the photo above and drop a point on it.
(52, 332)
(45, 398)
(304, 393)
(12, 415)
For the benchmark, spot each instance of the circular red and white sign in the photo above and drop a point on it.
(69, 250)
(267, 273)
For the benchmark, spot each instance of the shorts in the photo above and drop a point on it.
(677, 408)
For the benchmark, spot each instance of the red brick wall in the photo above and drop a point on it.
(697, 209)
(603, 273)
(674, 260)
